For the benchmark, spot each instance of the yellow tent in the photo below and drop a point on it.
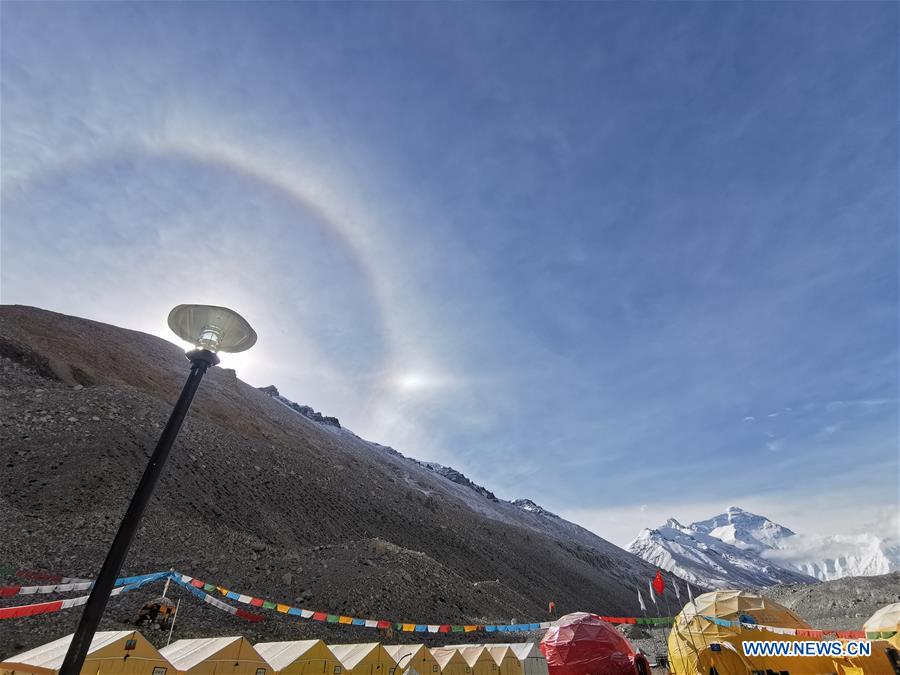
(885, 625)
(450, 661)
(530, 657)
(506, 660)
(699, 645)
(216, 656)
(368, 658)
(478, 659)
(123, 652)
(299, 657)
(413, 659)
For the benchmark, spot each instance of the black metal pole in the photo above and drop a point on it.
(201, 360)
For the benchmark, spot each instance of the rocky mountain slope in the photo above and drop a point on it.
(840, 604)
(739, 548)
(259, 497)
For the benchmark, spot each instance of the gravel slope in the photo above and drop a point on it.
(258, 498)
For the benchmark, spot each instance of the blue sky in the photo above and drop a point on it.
(629, 260)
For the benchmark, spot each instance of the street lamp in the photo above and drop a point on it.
(210, 329)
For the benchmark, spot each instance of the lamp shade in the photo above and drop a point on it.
(217, 329)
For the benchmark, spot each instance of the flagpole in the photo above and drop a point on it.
(672, 628)
(653, 597)
(690, 633)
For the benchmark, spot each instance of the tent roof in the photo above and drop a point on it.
(445, 655)
(884, 620)
(280, 655)
(51, 655)
(185, 654)
(351, 655)
(500, 652)
(398, 652)
(474, 653)
(524, 650)
(732, 605)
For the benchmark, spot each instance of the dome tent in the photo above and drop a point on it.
(703, 640)
(584, 644)
(885, 625)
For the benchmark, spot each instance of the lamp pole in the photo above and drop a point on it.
(184, 320)
(201, 360)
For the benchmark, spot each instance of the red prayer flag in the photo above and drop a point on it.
(658, 584)
(851, 634)
(256, 602)
(30, 610)
(38, 576)
(383, 624)
(248, 616)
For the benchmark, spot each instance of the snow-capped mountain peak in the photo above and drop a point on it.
(696, 556)
(742, 549)
(744, 529)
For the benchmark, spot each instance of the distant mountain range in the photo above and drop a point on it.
(742, 549)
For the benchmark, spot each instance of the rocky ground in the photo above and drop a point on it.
(256, 497)
(842, 604)
(269, 502)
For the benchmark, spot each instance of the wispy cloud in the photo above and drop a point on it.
(572, 267)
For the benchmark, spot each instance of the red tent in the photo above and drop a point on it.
(583, 644)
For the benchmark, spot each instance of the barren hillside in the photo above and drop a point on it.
(258, 498)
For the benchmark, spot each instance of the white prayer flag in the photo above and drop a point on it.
(690, 595)
(652, 594)
(641, 600)
(675, 586)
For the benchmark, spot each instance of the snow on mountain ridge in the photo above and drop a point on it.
(744, 529)
(447, 472)
(739, 548)
(531, 507)
(702, 559)
(836, 556)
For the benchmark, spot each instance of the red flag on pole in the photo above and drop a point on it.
(551, 607)
(658, 585)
